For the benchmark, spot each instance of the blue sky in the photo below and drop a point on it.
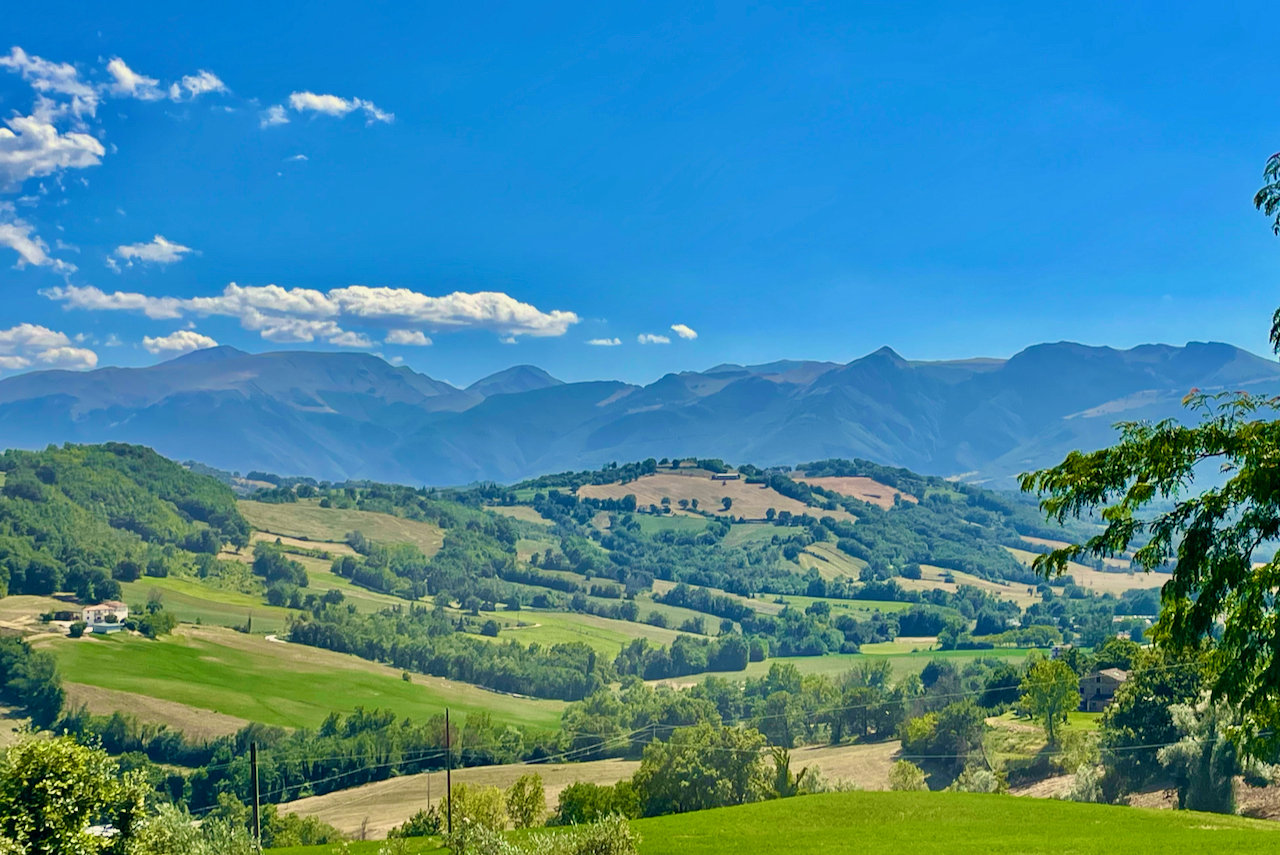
(512, 182)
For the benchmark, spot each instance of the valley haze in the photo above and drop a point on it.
(353, 415)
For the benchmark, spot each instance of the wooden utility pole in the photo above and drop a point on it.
(253, 779)
(448, 772)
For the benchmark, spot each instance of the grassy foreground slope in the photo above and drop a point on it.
(938, 823)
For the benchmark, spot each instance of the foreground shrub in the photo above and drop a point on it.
(975, 779)
(610, 836)
(1086, 786)
(584, 802)
(906, 776)
(526, 801)
(424, 823)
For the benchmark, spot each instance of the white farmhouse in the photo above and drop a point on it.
(106, 616)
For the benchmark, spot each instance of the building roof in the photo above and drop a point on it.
(107, 605)
(1115, 674)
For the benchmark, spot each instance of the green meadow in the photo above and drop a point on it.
(274, 682)
(887, 823)
(604, 635)
(193, 602)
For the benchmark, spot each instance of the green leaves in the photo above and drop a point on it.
(1267, 200)
(1136, 489)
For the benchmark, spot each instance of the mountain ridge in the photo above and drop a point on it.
(353, 415)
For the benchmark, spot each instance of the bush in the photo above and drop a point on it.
(1086, 786)
(424, 823)
(584, 802)
(610, 836)
(975, 779)
(907, 777)
(479, 806)
(526, 801)
(77, 629)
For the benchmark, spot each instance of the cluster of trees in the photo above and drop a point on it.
(29, 681)
(686, 655)
(416, 638)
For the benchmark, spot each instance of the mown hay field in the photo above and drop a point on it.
(749, 500)
(306, 520)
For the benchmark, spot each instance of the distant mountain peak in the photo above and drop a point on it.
(513, 380)
(207, 354)
(352, 415)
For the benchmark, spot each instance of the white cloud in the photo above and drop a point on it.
(130, 84)
(333, 105)
(415, 338)
(194, 85)
(20, 236)
(347, 338)
(604, 342)
(157, 251)
(684, 332)
(489, 310)
(304, 314)
(272, 116)
(68, 357)
(53, 78)
(31, 148)
(30, 336)
(650, 338)
(28, 344)
(94, 299)
(182, 341)
(296, 158)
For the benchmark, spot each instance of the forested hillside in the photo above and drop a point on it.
(84, 518)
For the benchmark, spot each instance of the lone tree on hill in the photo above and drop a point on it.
(1048, 692)
(1208, 540)
(726, 503)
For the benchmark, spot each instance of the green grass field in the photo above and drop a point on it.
(606, 636)
(271, 682)
(886, 823)
(520, 512)
(193, 602)
(650, 524)
(857, 608)
(306, 519)
(742, 534)
(321, 579)
(898, 655)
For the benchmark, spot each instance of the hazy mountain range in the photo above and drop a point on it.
(352, 415)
